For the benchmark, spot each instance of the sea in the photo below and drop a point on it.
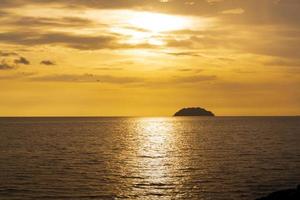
(190, 158)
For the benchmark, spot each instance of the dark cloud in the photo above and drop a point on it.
(194, 54)
(47, 22)
(47, 62)
(22, 60)
(268, 41)
(258, 11)
(5, 66)
(236, 33)
(9, 3)
(82, 42)
(73, 41)
(186, 70)
(255, 10)
(111, 4)
(3, 13)
(283, 12)
(7, 53)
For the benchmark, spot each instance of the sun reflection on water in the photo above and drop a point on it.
(156, 142)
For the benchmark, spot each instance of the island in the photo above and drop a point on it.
(194, 111)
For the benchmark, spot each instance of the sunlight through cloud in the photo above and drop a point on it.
(156, 22)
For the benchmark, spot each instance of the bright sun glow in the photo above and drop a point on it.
(156, 22)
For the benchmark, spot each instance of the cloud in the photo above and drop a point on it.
(273, 43)
(22, 60)
(267, 41)
(47, 62)
(192, 70)
(186, 70)
(194, 54)
(179, 81)
(17, 75)
(6, 66)
(81, 42)
(193, 79)
(236, 11)
(38, 22)
(2, 13)
(103, 4)
(130, 80)
(88, 78)
(263, 27)
(284, 63)
(74, 41)
(7, 54)
(259, 11)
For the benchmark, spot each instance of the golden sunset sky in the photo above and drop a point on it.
(149, 57)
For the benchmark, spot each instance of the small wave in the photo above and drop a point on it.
(153, 157)
(156, 186)
(102, 197)
(131, 177)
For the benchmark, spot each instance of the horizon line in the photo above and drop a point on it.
(133, 116)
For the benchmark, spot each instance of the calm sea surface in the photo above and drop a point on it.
(222, 158)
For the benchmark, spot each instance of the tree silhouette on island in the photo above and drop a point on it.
(194, 111)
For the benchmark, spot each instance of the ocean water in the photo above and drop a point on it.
(221, 158)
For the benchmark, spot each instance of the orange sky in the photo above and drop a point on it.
(149, 57)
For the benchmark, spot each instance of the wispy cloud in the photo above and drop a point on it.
(284, 62)
(87, 78)
(193, 78)
(137, 81)
(39, 22)
(194, 54)
(74, 41)
(81, 42)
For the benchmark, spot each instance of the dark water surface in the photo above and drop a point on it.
(220, 158)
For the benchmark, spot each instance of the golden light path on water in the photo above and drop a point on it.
(155, 141)
(155, 159)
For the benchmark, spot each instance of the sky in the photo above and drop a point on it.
(149, 57)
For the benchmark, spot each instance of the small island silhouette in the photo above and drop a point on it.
(289, 194)
(194, 111)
